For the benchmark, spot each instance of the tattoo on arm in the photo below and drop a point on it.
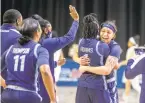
(111, 62)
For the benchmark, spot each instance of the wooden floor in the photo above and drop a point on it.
(67, 95)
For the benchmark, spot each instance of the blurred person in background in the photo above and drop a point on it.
(135, 67)
(12, 21)
(23, 61)
(133, 43)
(54, 44)
(60, 60)
(37, 17)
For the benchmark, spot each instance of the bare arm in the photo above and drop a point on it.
(48, 81)
(102, 70)
(3, 84)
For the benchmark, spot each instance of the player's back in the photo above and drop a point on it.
(97, 51)
(21, 64)
(9, 36)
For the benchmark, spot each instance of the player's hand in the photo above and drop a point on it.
(83, 69)
(4, 84)
(61, 62)
(117, 66)
(73, 13)
(84, 61)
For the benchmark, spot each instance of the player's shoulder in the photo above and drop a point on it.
(103, 44)
(14, 31)
(41, 48)
(115, 45)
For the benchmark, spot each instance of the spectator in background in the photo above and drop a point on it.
(59, 60)
(135, 66)
(133, 42)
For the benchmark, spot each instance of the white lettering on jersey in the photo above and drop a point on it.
(21, 50)
(86, 50)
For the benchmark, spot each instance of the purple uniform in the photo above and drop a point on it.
(9, 36)
(115, 51)
(22, 63)
(92, 88)
(52, 45)
(134, 68)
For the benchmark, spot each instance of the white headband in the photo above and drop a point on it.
(133, 41)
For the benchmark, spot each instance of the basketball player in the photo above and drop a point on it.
(22, 61)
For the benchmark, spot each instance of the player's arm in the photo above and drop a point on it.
(116, 52)
(135, 67)
(3, 64)
(61, 42)
(102, 70)
(3, 83)
(111, 63)
(43, 63)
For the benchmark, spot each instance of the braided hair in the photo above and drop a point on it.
(90, 26)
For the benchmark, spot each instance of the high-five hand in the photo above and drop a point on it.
(73, 13)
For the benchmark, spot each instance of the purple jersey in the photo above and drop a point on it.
(52, 45)
(115, 51)
(134, 68)
(22, 63)
(97, 51)
(9, 36)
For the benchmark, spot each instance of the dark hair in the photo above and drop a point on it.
(90, 26)
(28, 28)
(36, 17)
(111, 23)
(11, 16)
(95, 15)
(44, 23)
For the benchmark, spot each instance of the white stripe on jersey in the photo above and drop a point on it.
(111, 80)
(137, 60)
(102, 63)
(35, 50)
(15, 31)
(8, 51)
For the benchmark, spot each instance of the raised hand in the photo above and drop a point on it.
(73, 13)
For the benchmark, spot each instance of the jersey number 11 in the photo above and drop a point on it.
(18, 58)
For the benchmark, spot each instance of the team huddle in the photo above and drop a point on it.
(27, 59)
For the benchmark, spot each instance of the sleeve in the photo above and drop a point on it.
(104, 49)
(116, 51)
(57, 43)
(135, 67)
(43, 56)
